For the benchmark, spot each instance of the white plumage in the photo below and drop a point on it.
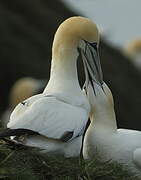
(59, 115)
(51, 116)
(102, 137)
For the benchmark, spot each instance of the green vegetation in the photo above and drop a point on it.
(19, 164)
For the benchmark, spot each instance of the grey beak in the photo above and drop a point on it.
(92, 66)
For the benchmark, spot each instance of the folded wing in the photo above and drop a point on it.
(50, 117)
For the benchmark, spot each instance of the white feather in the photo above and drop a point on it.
(104, 139)
(48, 116)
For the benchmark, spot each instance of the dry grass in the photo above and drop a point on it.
(28, 164)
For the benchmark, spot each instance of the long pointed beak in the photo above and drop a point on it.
(92, 66)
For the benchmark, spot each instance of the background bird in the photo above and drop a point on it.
(133, 51)
(22, 89)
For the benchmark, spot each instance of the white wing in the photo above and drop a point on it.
(49, 116)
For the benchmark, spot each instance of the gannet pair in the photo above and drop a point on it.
(22, 89)
(54, 121)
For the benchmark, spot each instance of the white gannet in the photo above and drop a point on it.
(55, 120)
(22, 89)
(102, 137)
(133, 51)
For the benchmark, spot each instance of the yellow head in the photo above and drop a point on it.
(71, 32)
(100, 99)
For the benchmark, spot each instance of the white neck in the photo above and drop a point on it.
(63, 77)
(104, 119)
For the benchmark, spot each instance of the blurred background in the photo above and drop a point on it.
(26, 33)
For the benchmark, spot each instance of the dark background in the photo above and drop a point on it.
(26, 34)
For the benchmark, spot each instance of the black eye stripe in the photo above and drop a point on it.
(92, 67)
(94, 45)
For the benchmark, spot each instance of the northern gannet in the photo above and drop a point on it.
(133, 51)
(102, 137)
(55, 120)
(22, 89)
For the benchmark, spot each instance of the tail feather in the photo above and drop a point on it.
(17, 132)
(15, 145)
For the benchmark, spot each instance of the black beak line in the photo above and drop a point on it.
(88, 73)
(92, 66)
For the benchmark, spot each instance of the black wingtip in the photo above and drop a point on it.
(16, 132)
(16, 145)
(66, 136)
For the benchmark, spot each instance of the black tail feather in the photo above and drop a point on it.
(16, 132)
(16, 145)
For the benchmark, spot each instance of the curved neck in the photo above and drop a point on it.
(63, 77)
